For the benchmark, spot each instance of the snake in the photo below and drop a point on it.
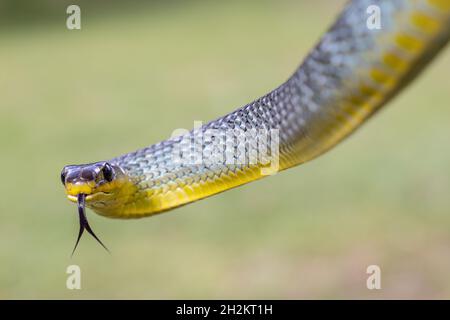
(373, 50)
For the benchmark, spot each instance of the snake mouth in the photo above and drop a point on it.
(88, 197)
(84, 224)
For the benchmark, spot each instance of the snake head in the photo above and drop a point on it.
(93, 184)
(101, 183)
(101, 186)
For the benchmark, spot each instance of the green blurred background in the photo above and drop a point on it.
(135, 72)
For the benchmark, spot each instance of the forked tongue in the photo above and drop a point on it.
(84, 224)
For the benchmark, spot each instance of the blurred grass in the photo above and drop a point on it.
(126, 81)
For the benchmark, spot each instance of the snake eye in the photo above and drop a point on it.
(108, 172)
(63, 177)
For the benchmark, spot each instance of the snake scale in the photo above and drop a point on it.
(349, 75)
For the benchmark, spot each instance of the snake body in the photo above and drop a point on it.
(349, 75)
